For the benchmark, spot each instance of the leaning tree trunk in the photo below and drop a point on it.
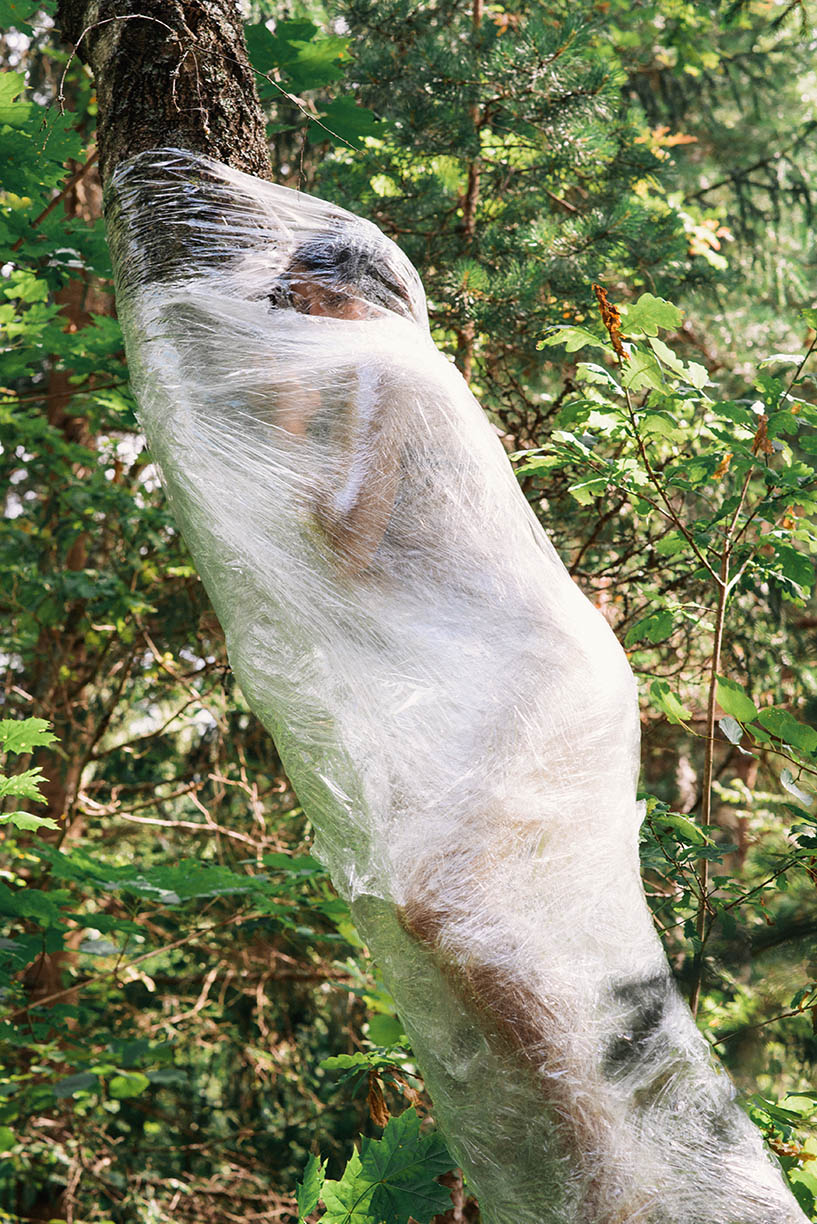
(169, 73)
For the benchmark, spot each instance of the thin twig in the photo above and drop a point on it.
(706, 787)
(101, 977)
(194, 825)
(76, 390)
(747, 1028)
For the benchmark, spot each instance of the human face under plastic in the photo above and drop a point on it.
(312, 298)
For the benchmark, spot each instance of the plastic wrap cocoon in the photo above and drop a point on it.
(459, 722)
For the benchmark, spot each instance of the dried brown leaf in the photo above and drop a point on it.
(376, 1101)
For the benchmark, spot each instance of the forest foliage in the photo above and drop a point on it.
(192, 1029)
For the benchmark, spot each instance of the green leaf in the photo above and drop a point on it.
(316, 63)
(25, 785)
(308, 1191)
(26, 286)
(649, 314)
(343, 119)
(7, 1139)
(35, 903)
(306, 58)
(392, 1179)
(83, 1081)
(642, 372)
(785, 1116)
(13, 113)
(190, 879)
(128, 1084)
(787, 728)
(28, 822)
(348, 1200)
(654, 627)
(771, 389)
(267, 50)
(671, 544)
(697, 375)
(589, 371)
(385, 1030)
(405, 1165)
(688, 830)
(540, 463)
(23, 734)
(796, 569)
(14, 15)
(587, 491)
(573, 338)
(802, 1192)
(733, 700)
(667, 357)
(668, 703)
(345, 1062)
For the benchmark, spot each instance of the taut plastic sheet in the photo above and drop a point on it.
(459, 722)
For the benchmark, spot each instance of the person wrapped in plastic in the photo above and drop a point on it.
(458, 721)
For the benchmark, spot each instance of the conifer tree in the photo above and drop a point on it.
(508, 167)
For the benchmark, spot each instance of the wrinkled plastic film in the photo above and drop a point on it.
(458, 721)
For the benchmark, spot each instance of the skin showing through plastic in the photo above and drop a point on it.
(509, 1010)
(505, 1004)
(511, 1014)
(514, 1016)
(354, 525)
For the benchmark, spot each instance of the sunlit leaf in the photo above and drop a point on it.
(789, 729)
(128, 1084)
(308, 1190)
(733, 700)
(24, 734)
(28, 822)
(573, 339)
(649, 315)
(392, 1179)
(667, 701)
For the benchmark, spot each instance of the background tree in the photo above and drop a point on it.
(508, 171)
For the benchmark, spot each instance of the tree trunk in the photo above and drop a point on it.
(169, 73)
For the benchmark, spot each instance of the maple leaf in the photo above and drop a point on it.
(392, 1178)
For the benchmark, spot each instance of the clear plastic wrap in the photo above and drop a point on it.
(459, 722)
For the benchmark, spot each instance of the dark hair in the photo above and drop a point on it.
(341, 265)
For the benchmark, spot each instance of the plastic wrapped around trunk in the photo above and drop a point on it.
(460, 724)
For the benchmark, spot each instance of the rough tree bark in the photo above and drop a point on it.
(169, 72)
